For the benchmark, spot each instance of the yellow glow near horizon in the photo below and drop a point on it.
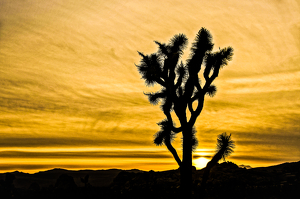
(200, 163)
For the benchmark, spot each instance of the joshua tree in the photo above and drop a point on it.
(224, 148)
(182, 91)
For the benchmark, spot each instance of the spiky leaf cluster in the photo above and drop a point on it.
(225, 145)
(154, 98)
(211, 90)
(217, 60)
(178, 43)
(165, 134)
(203, 42)
(150, 68)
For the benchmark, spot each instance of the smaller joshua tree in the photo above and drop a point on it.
(225, 146)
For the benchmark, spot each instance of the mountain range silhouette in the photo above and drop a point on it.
(226, 180)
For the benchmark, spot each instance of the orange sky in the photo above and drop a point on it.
(71, 96)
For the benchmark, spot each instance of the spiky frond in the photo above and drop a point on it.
(165, 134)
(210, 62)
(211, 90)
(218, 59)
(155, 97)
(201, 46)
(181, 70)
(165, 125)
(178, 43)
(227, 54)
(150, 68)
(225, 145)
(163, 49)
(159, 138)
(203, 41)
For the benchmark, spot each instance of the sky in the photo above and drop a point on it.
(71, 96)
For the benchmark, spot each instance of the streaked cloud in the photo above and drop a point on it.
(86, 155)
(71, 142)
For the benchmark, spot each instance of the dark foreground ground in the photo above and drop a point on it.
(226, 181)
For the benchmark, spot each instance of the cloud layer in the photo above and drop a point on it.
(68, 79)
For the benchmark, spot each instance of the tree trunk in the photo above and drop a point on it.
(186, 166)
(207, 169)
(204, 179)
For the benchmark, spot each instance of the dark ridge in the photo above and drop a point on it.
(278, 181)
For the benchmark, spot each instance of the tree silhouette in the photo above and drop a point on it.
(225, 147)
(182, 91)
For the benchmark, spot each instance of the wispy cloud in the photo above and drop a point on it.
(86, 155)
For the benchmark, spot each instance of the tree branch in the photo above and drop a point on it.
(211, 79)
(173, 151)
(190, 106)
(198, 110)
(176, 129)
(197, 83)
